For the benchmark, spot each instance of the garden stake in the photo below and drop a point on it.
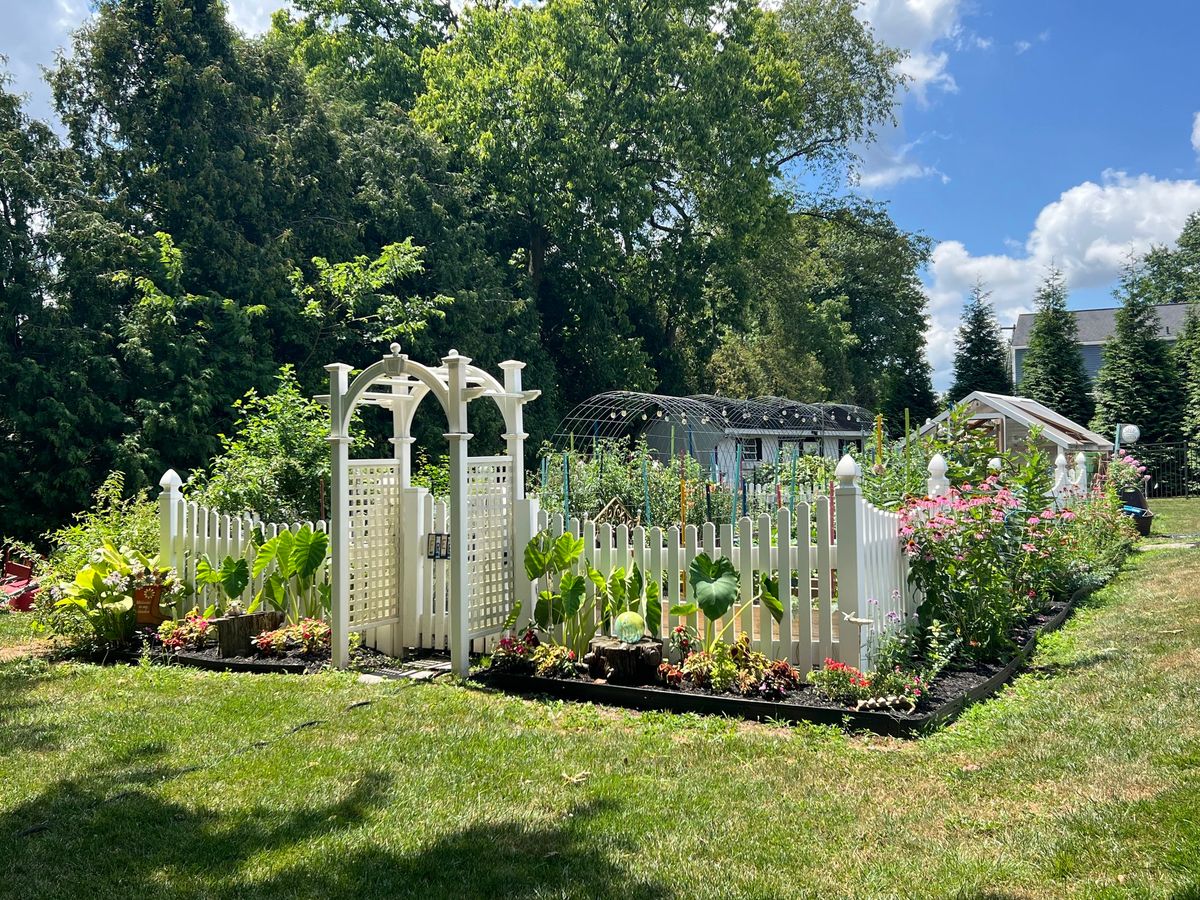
(792, 504)
(567, 489)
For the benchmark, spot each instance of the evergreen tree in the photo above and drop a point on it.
(1187, 361)
(980, 358)
(910, 387)
(1052, 371)
(1138, 382)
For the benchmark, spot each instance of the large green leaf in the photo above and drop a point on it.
(633, 586)
(572, 590)
(713, 584)
(205, 573)
(537, 555)
(770, 596)
(653, 606)
(264, 556)
(548, 611)
(234, 576)
(566, 552)
(308, 552)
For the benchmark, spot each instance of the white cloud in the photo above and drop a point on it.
(883, 166)
(1196, 133)
(1088, 232)
(1022, 47)
(917, 26)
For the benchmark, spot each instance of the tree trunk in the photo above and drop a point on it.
(621, 663)
(234, 633)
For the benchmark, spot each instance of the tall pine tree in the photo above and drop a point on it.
(1187, 361)
(1138, 382)
(1052, 371)
(980, 357)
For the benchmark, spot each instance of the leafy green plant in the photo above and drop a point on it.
(233, 575)
(291, 587)
(714, 585)
(562, 600)
(102, 593)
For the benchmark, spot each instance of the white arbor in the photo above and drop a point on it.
(379, 536)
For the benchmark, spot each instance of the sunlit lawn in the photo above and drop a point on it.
(1080, 780)
(1176, 516)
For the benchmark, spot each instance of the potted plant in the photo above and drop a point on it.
(1127, 474)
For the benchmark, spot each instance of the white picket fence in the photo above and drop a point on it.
(843, 576)
(189, 531)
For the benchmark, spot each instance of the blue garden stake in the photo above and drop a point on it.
(545, 472)
(646, 486)
(745, 510)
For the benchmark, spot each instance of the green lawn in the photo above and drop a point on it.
(1176, 517)
(1080, 780)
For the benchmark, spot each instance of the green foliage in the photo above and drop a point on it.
(981, 356)
(101, 595)
(291, 587)
(1187, 361)
(276, 462)
(1138, 382)
(1052, 370)
(114, 519)
(714, 586)
(233, 575)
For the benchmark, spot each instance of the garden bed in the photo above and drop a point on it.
(947, 696)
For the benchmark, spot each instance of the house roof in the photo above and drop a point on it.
(1059, 430)
(1095, 326)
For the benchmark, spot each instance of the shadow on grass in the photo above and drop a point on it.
(113, 834)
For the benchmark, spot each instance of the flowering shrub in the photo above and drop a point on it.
(192, 632)
(515, 654)
(983, 562)
(309, 637)
(1126, 472)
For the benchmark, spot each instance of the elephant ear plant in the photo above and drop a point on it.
(291, 587)
(714, 586)
(233, 576)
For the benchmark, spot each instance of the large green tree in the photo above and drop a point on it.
(632, 144)
(1052, 371)
(980, 357)
(1187, 361)
(1138, 382)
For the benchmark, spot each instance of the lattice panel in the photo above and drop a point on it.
(489, 544)
(373, 527)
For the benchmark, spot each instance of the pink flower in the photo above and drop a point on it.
(1033, 520)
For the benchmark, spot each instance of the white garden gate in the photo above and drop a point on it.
(407, 571)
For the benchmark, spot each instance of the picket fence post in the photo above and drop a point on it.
(170, 526)
(851, 563)
(938, 484)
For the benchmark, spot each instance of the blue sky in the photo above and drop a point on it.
(1033, 132)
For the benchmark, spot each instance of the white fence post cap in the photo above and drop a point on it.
(170, 481)
(847, 471)
(937, 466)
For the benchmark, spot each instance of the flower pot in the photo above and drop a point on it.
(1134, 498)
(146, 605)
(235, 633)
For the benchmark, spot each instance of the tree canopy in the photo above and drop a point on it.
(606, 190)
(980, 357)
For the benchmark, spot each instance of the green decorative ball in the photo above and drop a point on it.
(629, 627)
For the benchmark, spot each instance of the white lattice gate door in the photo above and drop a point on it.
(374, 551)
(490, 554)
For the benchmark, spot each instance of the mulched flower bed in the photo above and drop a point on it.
(945, 699)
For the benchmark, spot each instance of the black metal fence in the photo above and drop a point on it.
(1167, 466)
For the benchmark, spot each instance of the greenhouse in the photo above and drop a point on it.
(724, 434)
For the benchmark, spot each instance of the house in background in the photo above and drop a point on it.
(1009, 419)
(1095, 327)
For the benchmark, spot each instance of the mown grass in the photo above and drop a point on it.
(1079, 780)
(1176, 516)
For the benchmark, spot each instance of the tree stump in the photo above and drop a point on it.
(235, 633)
(621, 663)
